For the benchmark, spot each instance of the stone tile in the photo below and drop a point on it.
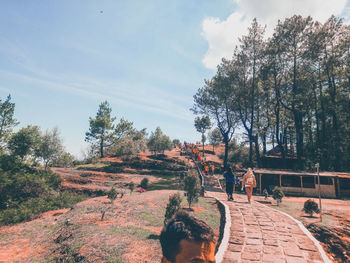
(254, 235)
(237, 240)
(237, 234)
(251, 223)
(292, 250)
(253, 241)
(232, 256)
(236, 227)
(252, 249)
(229, 260)
(307, 246)
(251, 256)
(295, 260)
(277, 251)
(253, 229)
(264, 223)
(267, 228)
(312, 256)
(285, 238)
(272, 258)
(235, 248)
(270, 242)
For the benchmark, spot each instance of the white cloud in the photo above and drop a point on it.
(222, 36)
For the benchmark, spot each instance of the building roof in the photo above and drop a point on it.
(299, 173)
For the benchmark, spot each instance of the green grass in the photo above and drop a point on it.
(136, 232)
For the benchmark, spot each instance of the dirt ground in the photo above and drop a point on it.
(129, 231)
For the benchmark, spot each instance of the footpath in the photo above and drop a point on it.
(262, 234)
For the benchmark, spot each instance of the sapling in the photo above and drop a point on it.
(310, 207)
(277, 194)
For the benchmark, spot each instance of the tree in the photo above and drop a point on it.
(172, 207)
(202, 124)
(144, 183)
(310, 207)
(50, 147)
(216, 100)
(101, 130)
(24, 142)
(7, 120)
(215, 138)
(64, 160)
(131, 187)
(112, 194)
(277, 194)
(191, 187)
(158, 142)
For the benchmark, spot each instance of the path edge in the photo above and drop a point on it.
(219, 256)
(324, 256)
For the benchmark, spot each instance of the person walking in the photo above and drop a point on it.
(230, 183)
(249, 182)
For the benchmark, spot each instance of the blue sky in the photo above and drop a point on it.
(60, 59)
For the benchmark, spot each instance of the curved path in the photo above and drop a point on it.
(261, 234)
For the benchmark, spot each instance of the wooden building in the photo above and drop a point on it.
(299, 183)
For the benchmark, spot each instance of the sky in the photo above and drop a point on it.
(60, 59)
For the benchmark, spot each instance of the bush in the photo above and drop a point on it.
(112, 194)
(173, 206)
(144, 183)
(192, 189)
(277, 194)
(310, 207)
(131, 187)
(266, 194)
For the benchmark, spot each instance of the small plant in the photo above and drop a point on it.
(112, 195)
(144, 183)
(131, 187)
(277, 194)
(310, 207)
(266, 193)
(173, 206)
(192, 189)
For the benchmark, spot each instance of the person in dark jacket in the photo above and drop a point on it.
(230, 183)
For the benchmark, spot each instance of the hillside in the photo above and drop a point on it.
(130, 227)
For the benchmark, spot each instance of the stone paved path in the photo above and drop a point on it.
(262, 234)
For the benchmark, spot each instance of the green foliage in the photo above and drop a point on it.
(176, 142)
(215, 137)
(24, 142)
(173, 206)
(158, 142)
(310, 207)
(64, 160)
(50, 147)
(131, 187)
(266, 193)
(202, 124)
(32, 207)
(101, 130)
(192, 189)
(112, 194)
(7, 120)
(277, 194)
(144, 183)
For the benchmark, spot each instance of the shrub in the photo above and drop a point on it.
(310, 207)
(266, 194)
(192, 189)
(112, 194)
(277, 194)
(173, 206)
(131, 187)
(144, 183)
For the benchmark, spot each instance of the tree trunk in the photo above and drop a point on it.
(257, 152)
(101, 149)
(226, 151)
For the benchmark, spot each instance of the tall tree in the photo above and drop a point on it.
(7, 120)
(101, 130)
(202, 124)
(215, 100)
(158, 142)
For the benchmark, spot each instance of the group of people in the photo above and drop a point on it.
(248, 183)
